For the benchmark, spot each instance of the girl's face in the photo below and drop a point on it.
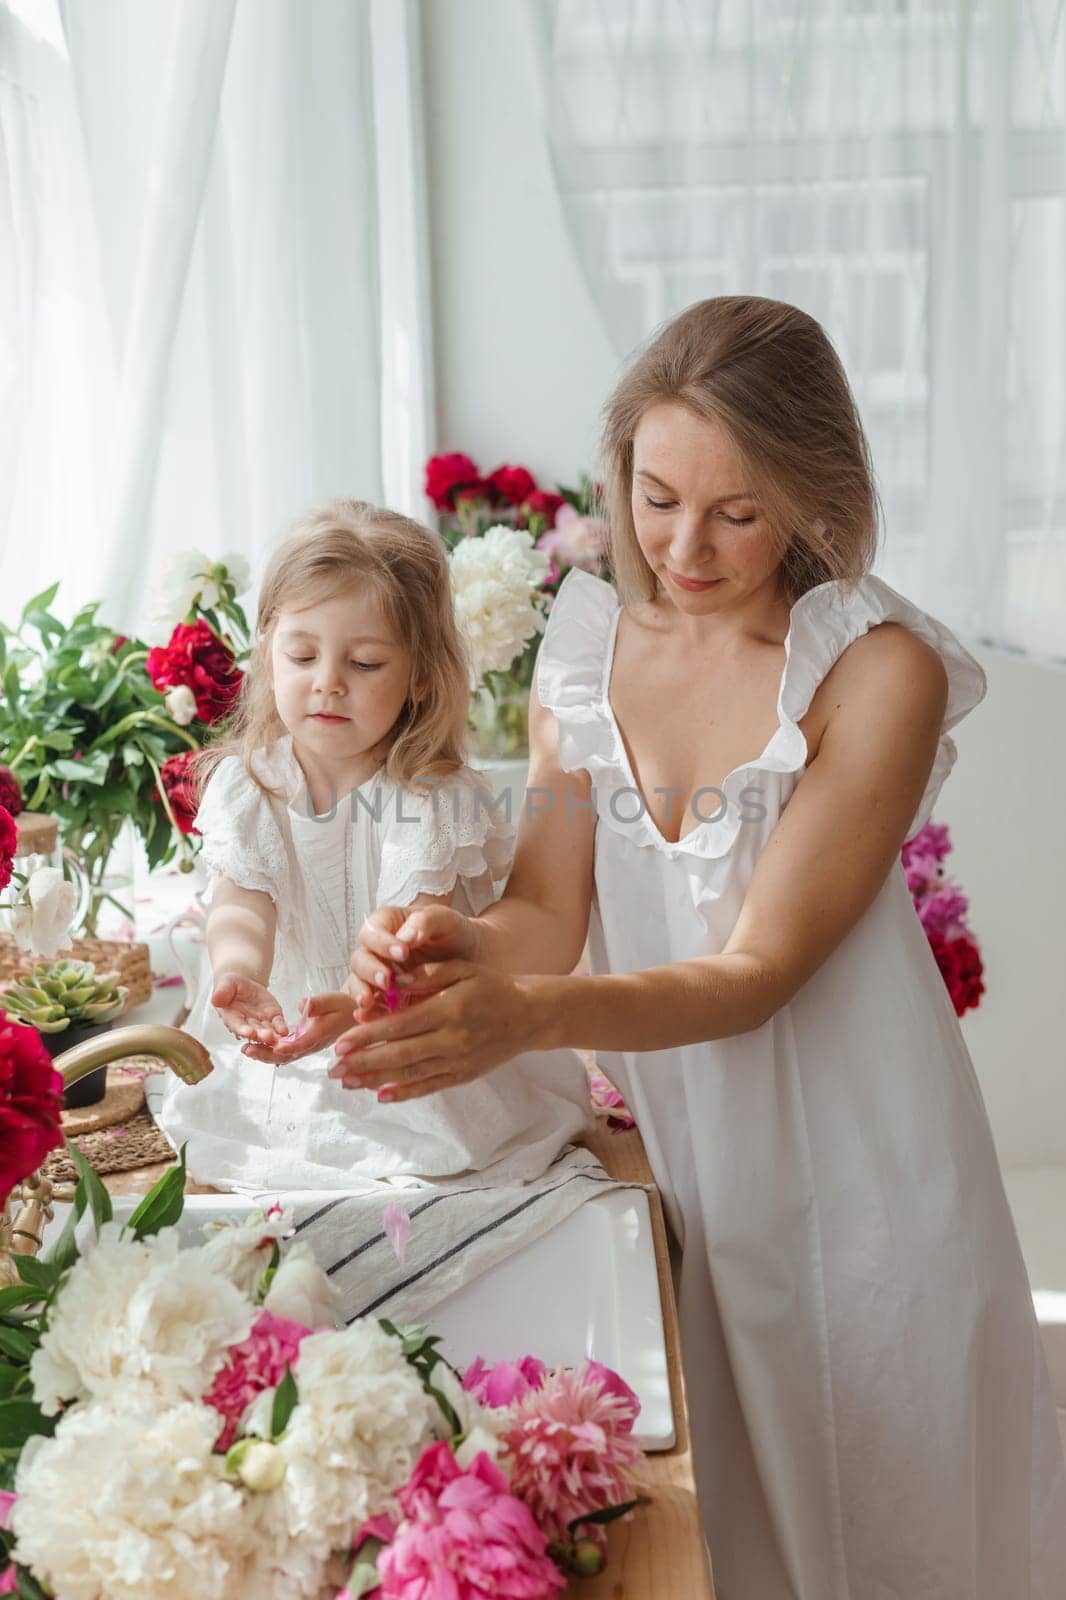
(341, 677)
(697, 517)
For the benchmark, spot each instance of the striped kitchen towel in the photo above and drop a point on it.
(460, 1228)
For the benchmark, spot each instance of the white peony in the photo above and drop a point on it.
(138, 1320)
(362, 1420)
(480, 1425)
(174, 588)
(241, 1249)
(42, 922)
(181, 705)
(499, 606)
(131, 1504)
(301, 1291)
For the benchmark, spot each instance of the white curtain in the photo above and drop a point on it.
(898, 169)
(235, 165)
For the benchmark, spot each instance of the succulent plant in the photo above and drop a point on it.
(66, 994)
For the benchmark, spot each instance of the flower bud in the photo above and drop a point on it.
(181, 704)
(587, 1559)
(259, 1464)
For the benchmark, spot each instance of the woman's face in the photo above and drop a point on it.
(698, 518)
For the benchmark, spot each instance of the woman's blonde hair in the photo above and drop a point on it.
(767, 373)
(345, 544)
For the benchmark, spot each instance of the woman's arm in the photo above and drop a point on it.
(822, 867)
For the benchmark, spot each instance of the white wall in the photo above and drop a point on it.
(523, 366)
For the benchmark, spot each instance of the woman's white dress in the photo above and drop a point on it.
(870, 1406)
(253, 1125)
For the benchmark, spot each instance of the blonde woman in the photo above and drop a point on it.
(737, 741)
(345, 784)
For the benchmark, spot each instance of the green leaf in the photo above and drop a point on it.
(11, 1379)
(96, 1196)
(608, 1514)
(57, 740)
(28, 1587)
(15, 1344)
(162, 1205)
(39, 1275)
(365, 1576)
(286, 1396)
(40, 602)
(80, 771)
(20, 1294)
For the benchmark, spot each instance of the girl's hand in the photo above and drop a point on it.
(394, 941)
(248, 1009)
(322, 1018)
(475, 1019)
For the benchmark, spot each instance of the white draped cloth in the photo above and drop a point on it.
(870, 1407)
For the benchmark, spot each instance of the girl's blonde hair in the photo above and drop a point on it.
(768, 374)
(346, 544)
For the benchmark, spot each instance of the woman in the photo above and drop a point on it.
(870, 1407)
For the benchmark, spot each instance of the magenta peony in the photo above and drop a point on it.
(31, 1098)
(257, 1363)
(465, 1537)
(504, 1383)
(572, 1448)
(448, 475)
(9, 836)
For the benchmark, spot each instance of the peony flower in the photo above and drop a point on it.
(496, 583)
(358, 1429)
(197, 658)
(138, 1321)
(10, 792)
(175, 588)
(504, 1383)
(571, 1448)
(9, 838)
(256, 1363)
(944, 912)
(933, 839)
(242, 1249)
(445, 475)
(511, 484)
(181, 705)
(960, 966)
(301, 1291)
(576, 541)
(8, 1581)
(542, 504)
(31, 1099)
(131, 1504)
(41, 923)
(608, 1100)
(465, 1537)
(179, 783)
(481, 1428)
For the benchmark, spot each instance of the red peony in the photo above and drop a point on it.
(9, 836)
(513, 484)
(181, 790)
(447, 474)
(203, 662)
(960, 966)
(542, 504)
(31, 1098)
(10, 792)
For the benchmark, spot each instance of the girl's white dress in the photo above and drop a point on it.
(381, 846)
(870, 1405)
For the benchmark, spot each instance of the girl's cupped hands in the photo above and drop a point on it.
(468, 1020)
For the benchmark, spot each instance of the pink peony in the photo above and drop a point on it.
(504, 1383)
(944, 912)
(575, 541)
(931, 840)
(465, 1537)
(257, 1363)
(606, 1098)
(8, 1581)
(572, 1448)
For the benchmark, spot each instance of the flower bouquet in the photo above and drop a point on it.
(191, 1421)
(98, 728)
(942, 908)
(511, 545)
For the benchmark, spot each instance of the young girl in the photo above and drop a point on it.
(344, 786)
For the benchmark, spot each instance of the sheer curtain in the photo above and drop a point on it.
(898, 169)
(247, 186)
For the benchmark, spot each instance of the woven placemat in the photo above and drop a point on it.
(125, 956)
(123, 1099)
(137, 1143)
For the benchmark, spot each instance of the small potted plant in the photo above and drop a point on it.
(68, 1002)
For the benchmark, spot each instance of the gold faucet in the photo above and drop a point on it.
(184, 1055)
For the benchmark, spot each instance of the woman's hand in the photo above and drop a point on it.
(248, 1009)
(323, 1018)
(393, 944)
(471, 1019)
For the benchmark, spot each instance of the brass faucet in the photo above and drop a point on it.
(184, 1055)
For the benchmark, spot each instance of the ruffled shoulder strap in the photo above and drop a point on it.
(828, 618)
(574, 657)
(456, 837)
(240, 833)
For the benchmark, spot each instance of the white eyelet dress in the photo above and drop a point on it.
(870, 1406)
(381, 846)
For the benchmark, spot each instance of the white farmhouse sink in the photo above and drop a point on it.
(586, 1288)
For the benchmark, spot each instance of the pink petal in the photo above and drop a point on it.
(397, 1226)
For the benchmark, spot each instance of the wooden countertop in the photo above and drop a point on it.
(660, 1554)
